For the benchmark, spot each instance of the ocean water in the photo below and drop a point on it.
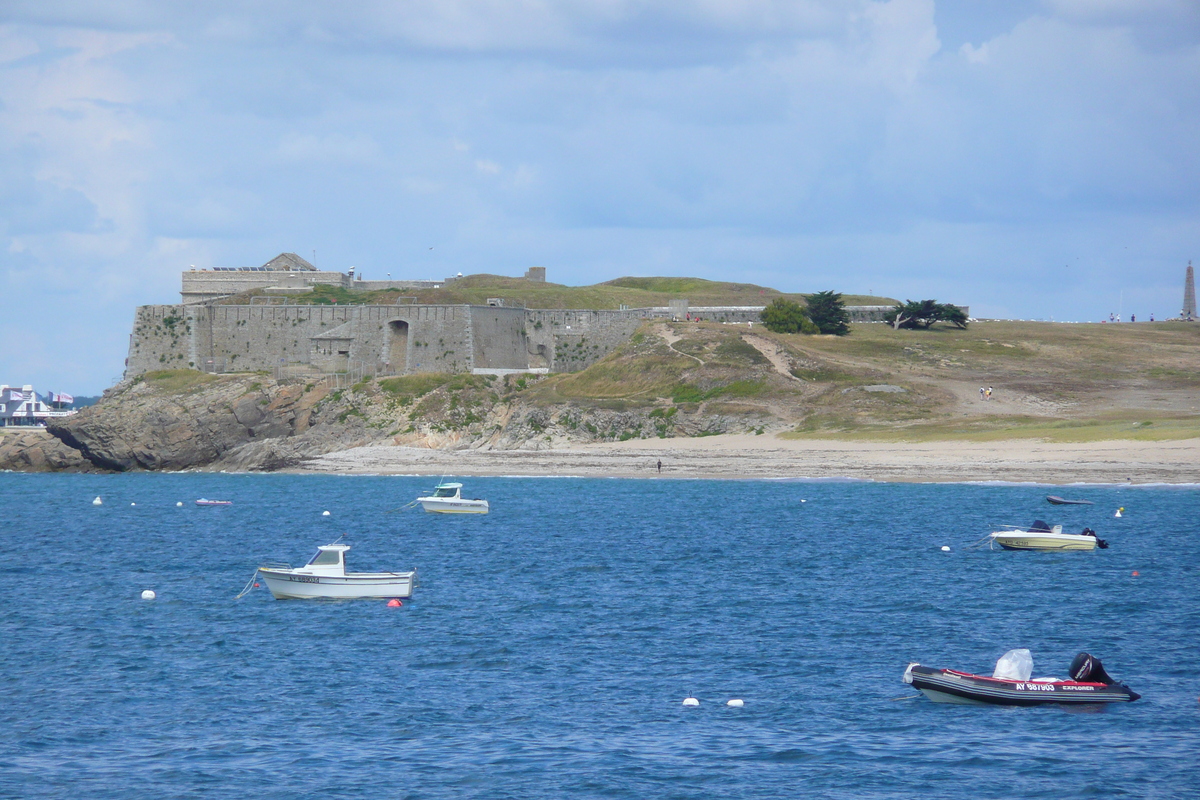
(549, 645)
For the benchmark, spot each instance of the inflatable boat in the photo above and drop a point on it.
(1089, 684)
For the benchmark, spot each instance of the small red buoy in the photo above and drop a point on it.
(394, 603)
(257, 585)
(1135, 573)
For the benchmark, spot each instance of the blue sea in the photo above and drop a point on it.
(549, 645)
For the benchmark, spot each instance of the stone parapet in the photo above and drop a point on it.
(202, 285)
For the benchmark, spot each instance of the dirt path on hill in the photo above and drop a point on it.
(773, 352)
(670, 337)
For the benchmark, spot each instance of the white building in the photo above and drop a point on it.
(23, 407)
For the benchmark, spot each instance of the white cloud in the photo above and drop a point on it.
(803, 144)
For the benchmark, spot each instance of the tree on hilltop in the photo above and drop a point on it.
(913, 314)
(828, 312)
(787, 316)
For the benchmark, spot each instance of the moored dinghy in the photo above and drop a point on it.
(1089, 684)
(1055, 500)
(325, 576)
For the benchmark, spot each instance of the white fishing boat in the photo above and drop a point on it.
(1040, 536)
(325, 576)
(447, 499)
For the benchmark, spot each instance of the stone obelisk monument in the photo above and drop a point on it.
(1189, 295)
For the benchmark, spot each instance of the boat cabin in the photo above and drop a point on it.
(450, 491)
(329, 560)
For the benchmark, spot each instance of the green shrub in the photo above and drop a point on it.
(787, 316)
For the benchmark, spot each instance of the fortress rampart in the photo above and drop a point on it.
(397, 339)
(200, 334)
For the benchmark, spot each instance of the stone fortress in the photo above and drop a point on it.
(203, 333)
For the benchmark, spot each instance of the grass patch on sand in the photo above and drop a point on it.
(1144, 428)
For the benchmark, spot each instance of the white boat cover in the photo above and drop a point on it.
(1015, 665)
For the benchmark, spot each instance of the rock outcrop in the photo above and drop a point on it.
(35, 450)
(183, 420)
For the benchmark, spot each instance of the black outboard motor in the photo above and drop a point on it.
(1103, 545)
(1039, 526)
(1088, 669)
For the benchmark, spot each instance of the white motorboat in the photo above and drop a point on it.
(325, 576)
(1040, 536)
(447, 499)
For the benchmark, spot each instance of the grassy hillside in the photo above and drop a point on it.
(1055, 381)
(632, 292)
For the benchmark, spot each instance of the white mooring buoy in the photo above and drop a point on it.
(1119, 510)
(179, 504)
(690, 701)
(945, 548)
(97, 502)
(148, 594)
(735, 703)
(133, 504)
(324, 513)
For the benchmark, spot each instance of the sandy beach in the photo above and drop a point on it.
(741, 457)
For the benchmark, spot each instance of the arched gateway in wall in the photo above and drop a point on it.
(398, 346)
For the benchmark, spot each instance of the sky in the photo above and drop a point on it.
(1033, 159)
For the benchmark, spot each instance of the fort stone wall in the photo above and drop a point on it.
(440, 339)
(498, 338)
(397, 339)
(574, 339)
(161, 339)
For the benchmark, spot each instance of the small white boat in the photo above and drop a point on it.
(205, 502)
(447, 499)
(325, 576)
(1040, 536)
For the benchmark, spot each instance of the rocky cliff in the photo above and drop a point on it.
(182, 419)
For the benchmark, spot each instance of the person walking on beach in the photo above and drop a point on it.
(981, 397)
(660, 467)
(989, 393)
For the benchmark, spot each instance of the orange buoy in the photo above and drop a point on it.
(257, 585)
(1135, 573)
(394, 603)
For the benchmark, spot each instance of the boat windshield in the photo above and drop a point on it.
(445, 491)
(326, 558)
